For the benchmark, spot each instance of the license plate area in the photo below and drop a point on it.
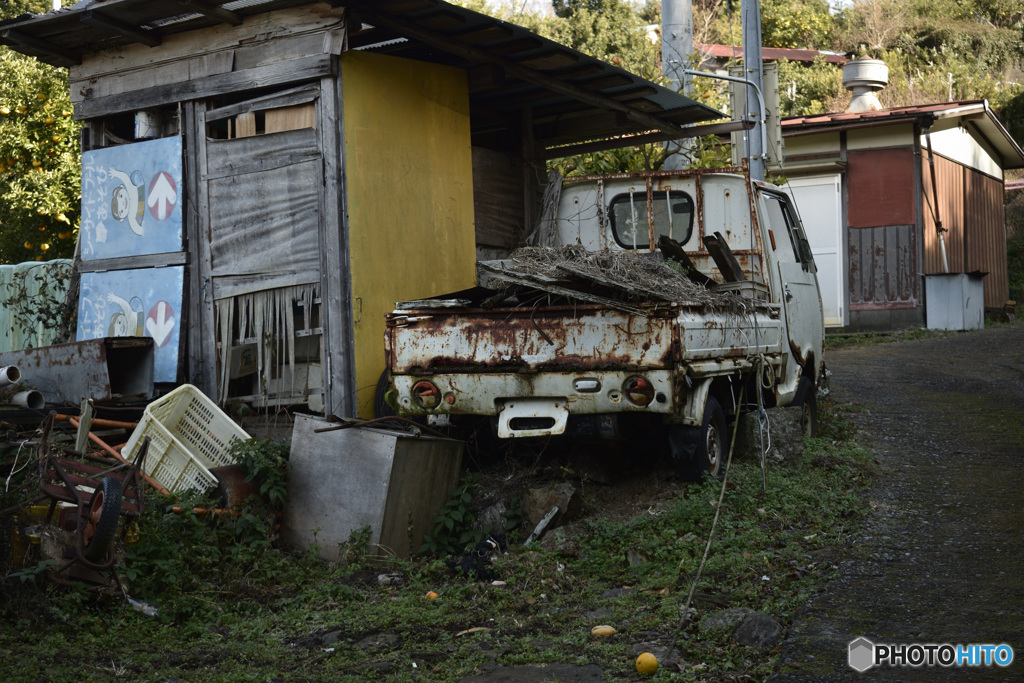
(524, 417)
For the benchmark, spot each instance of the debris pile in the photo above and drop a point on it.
(15, 393)
(622, 280)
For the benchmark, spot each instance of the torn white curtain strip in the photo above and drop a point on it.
(268, 316)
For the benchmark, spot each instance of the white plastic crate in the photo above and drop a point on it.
(189, 436)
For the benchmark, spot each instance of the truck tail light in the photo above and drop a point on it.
(638, 390)
(426, 395)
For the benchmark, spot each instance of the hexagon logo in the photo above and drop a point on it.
(862, 654)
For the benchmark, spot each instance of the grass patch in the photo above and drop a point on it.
(234, 607)
(840, 340)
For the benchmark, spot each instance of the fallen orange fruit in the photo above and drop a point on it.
(646, 663)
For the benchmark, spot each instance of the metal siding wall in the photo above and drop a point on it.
(971, 208)
(950, 180)
(883, 271)
(986, 236)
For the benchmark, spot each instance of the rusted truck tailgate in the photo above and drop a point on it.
(553, 338)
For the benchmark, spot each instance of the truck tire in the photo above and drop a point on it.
(807, 398)
(700, 451)
(380, 402)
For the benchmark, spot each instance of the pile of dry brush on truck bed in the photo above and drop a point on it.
(627, 281)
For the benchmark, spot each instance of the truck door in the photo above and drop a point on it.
(801, 298)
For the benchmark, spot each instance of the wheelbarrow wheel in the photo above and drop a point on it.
(101, 519)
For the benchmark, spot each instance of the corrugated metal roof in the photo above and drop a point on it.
(512, 72)
(772, 53)
(977, 112)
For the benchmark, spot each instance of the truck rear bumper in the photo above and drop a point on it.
(535, 404)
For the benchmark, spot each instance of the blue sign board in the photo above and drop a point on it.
(132, 198)
(136, 303)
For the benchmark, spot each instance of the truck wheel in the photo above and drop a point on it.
(700, 450)
(380, 402)
(807, 397)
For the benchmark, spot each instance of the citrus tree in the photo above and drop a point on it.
(40, 160)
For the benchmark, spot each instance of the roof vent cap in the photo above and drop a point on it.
(864, 77)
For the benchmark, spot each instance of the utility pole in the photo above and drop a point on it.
(751, 11)
(676, 48)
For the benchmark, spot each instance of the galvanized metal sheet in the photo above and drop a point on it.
(107, 369)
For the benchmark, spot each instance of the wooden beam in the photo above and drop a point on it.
(212, 11)
(121, 28)
(452, 45)
(631, 140)
(176, 258)
(278, 73)
(67, 57)
(299, 95)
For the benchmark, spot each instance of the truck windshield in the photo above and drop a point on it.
(672, 213)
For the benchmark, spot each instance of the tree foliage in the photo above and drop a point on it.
(796, 24)
(40, 162)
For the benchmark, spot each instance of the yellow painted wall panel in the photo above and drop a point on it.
(409, 189)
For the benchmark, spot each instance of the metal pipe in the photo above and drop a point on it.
(9, 375)
(30, 399)
(106, 447)
(100, 422)
(939, 230)
(756, 156)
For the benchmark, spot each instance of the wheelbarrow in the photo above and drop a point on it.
(104, 497)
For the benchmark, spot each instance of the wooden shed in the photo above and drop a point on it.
(264, 179)
(870, 200)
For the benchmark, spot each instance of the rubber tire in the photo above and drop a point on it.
(690, 445)
(106, 500)
(807, 398)
(380, 404)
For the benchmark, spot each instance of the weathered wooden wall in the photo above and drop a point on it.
(266, 49)
(498, 192)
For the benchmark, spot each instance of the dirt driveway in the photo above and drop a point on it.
(941, 558)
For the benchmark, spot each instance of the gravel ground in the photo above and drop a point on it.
(940, 558)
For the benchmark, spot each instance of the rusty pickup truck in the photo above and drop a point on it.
(670, 292)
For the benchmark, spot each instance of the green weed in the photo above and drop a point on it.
(233, 605)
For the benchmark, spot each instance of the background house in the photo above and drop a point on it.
(864, 184)
(263, 180)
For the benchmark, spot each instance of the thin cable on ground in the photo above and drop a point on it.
(711, 534)
(765, 379)
(14, 467)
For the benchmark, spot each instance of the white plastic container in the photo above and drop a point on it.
(189, 436)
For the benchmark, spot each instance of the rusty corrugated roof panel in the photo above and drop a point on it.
(570, 97)
(773, 53)
(977, 112)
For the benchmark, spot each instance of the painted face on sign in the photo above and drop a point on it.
(118, 325)
(119, 203)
